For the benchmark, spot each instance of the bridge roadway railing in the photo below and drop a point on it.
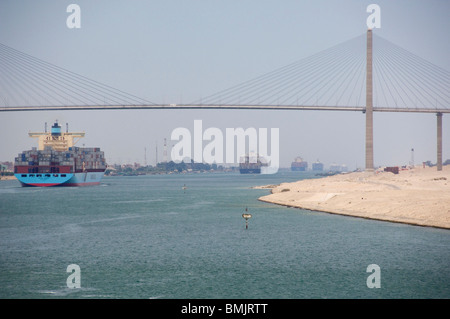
(218, 107)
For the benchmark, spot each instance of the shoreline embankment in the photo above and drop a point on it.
(418, 196)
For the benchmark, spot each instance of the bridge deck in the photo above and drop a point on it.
(220, 107)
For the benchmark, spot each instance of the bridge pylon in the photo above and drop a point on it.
(439, 141)
(369, 105)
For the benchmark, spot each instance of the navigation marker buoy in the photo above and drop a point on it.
(246, 217)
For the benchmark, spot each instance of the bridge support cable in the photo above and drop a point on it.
(411, 81)
(316, 80)
(331, 79)
(26, 80)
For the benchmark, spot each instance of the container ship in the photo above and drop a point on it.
(317, 166)
(58, 162)
(299, 164)
(251, 164)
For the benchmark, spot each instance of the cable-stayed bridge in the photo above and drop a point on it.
(367, 73)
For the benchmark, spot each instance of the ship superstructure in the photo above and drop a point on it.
(56, 139)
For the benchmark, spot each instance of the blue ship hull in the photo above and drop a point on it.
(250, 170)
(50, 179)
(294, 168)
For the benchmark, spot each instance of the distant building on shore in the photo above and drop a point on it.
(6, 166)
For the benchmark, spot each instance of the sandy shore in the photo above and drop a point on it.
(7, 178)
(420, 196)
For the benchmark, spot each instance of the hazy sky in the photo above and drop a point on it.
(176, 51)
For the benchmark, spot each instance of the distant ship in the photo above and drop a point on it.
(338, 168)
(57, 162)
(299, 164)
(251, 164)
(317, 166)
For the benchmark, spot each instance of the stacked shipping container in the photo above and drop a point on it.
(76, 159)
